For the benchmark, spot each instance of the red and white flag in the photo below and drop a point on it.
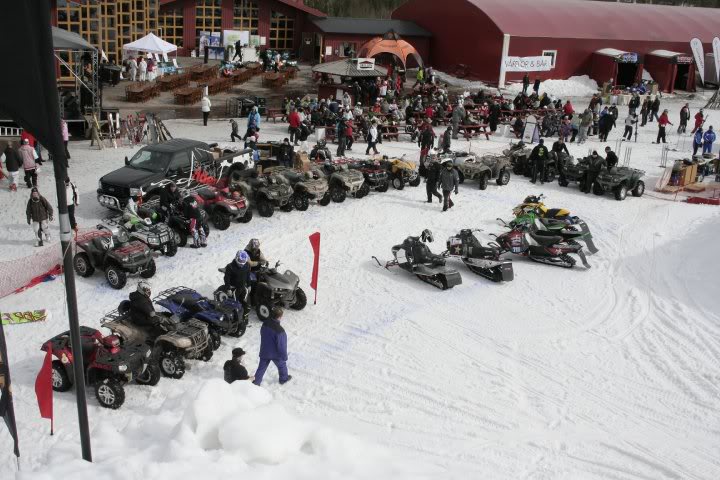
(43, 388)
(315, 242)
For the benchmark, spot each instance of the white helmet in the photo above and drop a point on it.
(144, 288)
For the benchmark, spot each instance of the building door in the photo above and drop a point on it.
(682, 75)
(318, 48)
(308, 46)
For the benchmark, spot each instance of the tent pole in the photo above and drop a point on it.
(503, 56)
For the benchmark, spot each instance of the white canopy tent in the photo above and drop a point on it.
(151, 43)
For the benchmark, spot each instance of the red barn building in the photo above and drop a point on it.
(602, 39)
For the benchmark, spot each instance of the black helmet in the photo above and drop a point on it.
(427, 236)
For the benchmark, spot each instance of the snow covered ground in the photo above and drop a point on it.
(607, 373)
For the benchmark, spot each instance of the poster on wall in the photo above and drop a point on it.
(697, 49)
(231, 38)
(204, 41)
(528, 64)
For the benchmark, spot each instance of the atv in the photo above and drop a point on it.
(343, 181)
(320, 152)
(270, 288)
(223, 206)
(113, 252)
(306, 186)
(376, 177)
(267, 192)
(147, 229)
(108, 365)
(401, 172)
(619, 180)
(480, 259)
(414, 256)
(483, 169)
(180, 224)
(172, 340)
(523, 239)
(519, 156)
(222, 318)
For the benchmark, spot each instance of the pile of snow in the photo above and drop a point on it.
(227, 431)
(471, 85)
(581, 86)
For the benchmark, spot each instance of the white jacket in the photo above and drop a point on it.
(373, 133)
(205, 104)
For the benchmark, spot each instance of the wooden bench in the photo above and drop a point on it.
(273, 80)
(217, 85)
(203, 72)
(275, 114)
(141, 92)
(171, 82)
(188, 95)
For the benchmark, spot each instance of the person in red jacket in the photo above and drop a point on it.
(699, 120)
(663, 122)
(294, 121)
(430, 113)
(349, 134)
(568, 108)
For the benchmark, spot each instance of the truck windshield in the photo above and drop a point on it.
(151, 161)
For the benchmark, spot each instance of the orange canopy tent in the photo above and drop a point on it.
(390, 43)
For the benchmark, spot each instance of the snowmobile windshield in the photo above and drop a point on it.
(155, 162)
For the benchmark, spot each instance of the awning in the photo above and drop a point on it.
(348, 68)
(65, 40)
(675, 57)
(150, 43)
(620, 56)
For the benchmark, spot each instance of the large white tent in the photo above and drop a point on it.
(151, 43)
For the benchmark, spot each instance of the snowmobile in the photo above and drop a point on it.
(270, 288)
(414, 256)
(480, 259)
(523, 239)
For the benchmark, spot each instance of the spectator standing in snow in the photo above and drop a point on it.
(73, 200)
(446, 140)
(458, 114)
(253, 123)
(697, 140)
(287, 154)
(575, 126)
(294, 121)
(142, 67)
(538, 157)
(684, 118)
(655, 108)
(630, 120)
(133, 67)
(645, 111)
(273, 347)
(234, 131)
(65, 137)
(699, 120)
(708, 140)
(536, 86)
(585, 125)
(205, 106)
(38, 212)
(663, 122)
(433, 175)
(234, 368)
(605, 124)
(372, 138)
(448, 180)
(27, 155)
(12, 163)
(526, 84)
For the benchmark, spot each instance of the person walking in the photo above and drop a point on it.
(372, 138)
(526, 83)
(427, 140)
(663, 122)
(205, 106)
(295, 121)
(28, 155)
(684, 118)
(142, 68)
(448, 180)
(630, 120)
(273, 347)
(445, 142)
(12, 163)
(645, 111)
(234, 132)
(538, 157)
(699, 120)
(585, 125)
(133, 68)
(697, 139)
(655, 108)
(708, 140)
(73, 200)
(253, 123)
(39, 212)
(433, 175)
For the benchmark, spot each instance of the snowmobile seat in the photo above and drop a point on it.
(554, 213)
(545, 240)
(207, 194)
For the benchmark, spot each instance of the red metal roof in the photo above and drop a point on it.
(299, 4)
(600, 20)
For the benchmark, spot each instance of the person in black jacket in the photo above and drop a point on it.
(142, 312)
(446, 140)
(536, 85)
(13, 164)
(192, 213)
(237, 276)
(234, 369)
(538, 157)
(169, 199)
(494, 117)
(287, 154)
(655, 108)
(611, 159)
(526, 83)
(433, 175)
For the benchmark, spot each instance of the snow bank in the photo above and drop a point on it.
(581, 86)
(226, 429)
(471, 85)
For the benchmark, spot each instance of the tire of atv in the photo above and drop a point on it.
(503, 178)
(82, 265)
(563, 183)
(639, 189)
(416, 181)
(263, 310)
(60, 379)
(461, 176)
(171, 364)
(301, 202)
(383, 188)
(207, 354)
(110, 393)
(288, 207)
(265, 208)
(550, 176)
(483, 181)
(180, 237)
(247, 217)
(151, 376)
(300, 300)
(214, 339)
(598, 189)
(239, 327)
(398, 183)
(337, 194)
(171, 249)
(149, 272)
(517, 170)
(325, 200)
(620, 192)
(116, 276)
(221, 220)
(363, 191)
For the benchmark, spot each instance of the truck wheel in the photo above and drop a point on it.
(150, 270)
(483, 181)
(110, 393)
(247, 217)
(598, 189)
(171, 364)
(639, 189)
(416, 181)
(171, 249)
(151, 376)
(300, 300)
(621, 192)
(60, 379)
(301, 202)
(265, 208)
(503, 178)
(116, 277)
(220, 220)
(337, 193)
(398, 183)
(325, 200)
(82, 265)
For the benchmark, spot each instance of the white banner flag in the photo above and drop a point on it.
(716, 54)
(528, 64)
(697, 49)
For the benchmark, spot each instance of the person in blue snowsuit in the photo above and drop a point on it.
(697, 140)
(253, 124)
(708, 140)
(273, 347)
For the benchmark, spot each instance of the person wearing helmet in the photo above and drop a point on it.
(257, 259)
(191, 210)
(447, 181)
(142, 312)
(169, 198)
(237, 276)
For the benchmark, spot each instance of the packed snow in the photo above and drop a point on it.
(579, 86)
(560, 374)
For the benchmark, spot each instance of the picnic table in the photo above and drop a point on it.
(141, 91)
(470, 131)
(273, 80)
(240, 75)
(202, 72)
(171, 82)
(217, 85)
(275, 114)
(254, 67)
(290, 72)
(188, 95)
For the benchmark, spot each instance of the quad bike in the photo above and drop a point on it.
(222, 318)
(114, 253)
(223, 206)
(266, 192)
(270, 288)
(523, 239)
(343, 181)
(480, 259)
(376, 177)
(144, 228)
(401, 172)
(306, 186)
(483, 169)
(618, 180)
(172, 340)
(519, 154)
(108, 365)
(414, 256)
(320, 152)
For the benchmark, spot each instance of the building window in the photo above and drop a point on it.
(245, 16)
(282, 31)
(84, 19)
(170, 23)
(208, 17)
(552, 54)
(347, 49)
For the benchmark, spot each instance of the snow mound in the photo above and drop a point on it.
(226, 429)
(581, 86)
(459, 82)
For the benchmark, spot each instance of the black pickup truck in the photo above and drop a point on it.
(153, 166)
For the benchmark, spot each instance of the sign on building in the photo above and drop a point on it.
(366, 64)
(528, 64)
